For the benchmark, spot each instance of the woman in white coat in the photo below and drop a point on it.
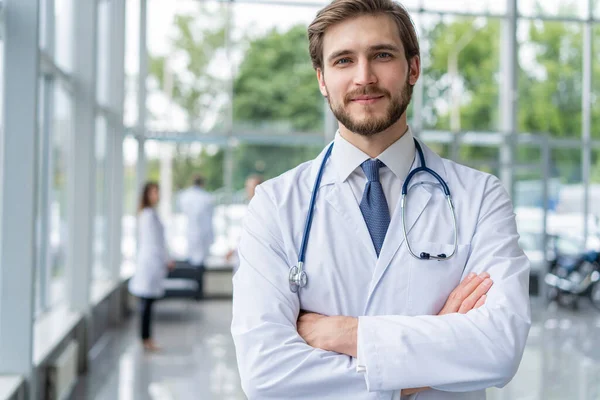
(152, 261)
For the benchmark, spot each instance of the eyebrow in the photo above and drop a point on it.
(378, 47)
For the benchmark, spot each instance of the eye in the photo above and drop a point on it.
(383, 55)
(342, 61)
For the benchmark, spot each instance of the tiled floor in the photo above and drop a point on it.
(562, 359)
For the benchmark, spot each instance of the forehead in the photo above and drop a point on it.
(360, 33)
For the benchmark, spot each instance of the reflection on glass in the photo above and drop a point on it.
(61, 130)
(550, 76)
(460, 62)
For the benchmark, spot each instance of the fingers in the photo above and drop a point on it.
(463, 291)
(469, 303)
(481, 301)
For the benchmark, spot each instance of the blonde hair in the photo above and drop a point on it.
(341, 10)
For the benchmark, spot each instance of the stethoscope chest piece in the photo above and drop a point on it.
(298, 279)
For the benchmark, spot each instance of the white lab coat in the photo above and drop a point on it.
(152, 257)
(197, 205)
(396, 297)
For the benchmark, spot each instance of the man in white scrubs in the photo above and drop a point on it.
(197, 205)
(374, 321)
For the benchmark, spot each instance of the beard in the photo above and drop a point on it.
(372, 125)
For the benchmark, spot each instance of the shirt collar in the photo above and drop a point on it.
(398, 157)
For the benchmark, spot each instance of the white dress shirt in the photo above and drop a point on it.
(398, 160)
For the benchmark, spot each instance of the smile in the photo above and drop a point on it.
(367, 99)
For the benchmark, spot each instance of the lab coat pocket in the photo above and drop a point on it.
(432, 281)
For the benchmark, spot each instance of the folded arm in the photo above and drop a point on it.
(273, 360)
(460, 352)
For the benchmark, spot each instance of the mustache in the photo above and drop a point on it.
(366, 91)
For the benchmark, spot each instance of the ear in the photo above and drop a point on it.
(415, 70)
(321, 79)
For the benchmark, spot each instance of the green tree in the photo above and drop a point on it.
(276, 84)
(198, 39)
(276, 90)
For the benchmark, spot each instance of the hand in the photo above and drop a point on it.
(171, 265)
(336, 333)
(468, 295)
(229, 255)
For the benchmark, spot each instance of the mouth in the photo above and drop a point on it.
(367, 99)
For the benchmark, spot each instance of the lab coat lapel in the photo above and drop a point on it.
(342, 200)
(416, 203)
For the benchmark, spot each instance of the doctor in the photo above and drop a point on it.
(397, 301)
(197, 205)
(152, 261)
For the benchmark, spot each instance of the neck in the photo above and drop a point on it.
(376, 144)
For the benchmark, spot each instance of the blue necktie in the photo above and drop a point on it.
(373, 205)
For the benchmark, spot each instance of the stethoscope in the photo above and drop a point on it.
(298, 278)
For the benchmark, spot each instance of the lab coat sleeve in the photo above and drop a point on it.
(460, 352)
(152, 234)
(274, 361)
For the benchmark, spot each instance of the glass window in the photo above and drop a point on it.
(64, 33)
(550, 76)
(100, 268)
(470, 6)
(130, 193)
(43, 24)
(596, 80)
(553, 8)
(264, 161)
(103, 52)
(460, 62)
(566, 216)
(132, 62)
(61, 130)
(274, 66)
(189, 71)
(1, 84)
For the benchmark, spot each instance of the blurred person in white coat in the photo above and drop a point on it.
(153, 261)
(412, 283)
(252, 181)
(198, 207)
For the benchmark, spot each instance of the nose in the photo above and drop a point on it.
(364, 74)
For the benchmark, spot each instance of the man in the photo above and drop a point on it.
(197, 205)
(378, 318)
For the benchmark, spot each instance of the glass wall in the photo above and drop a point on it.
(255, 57)
(130, 200)
(101, 270)
(275, 90)
(103, 52)
(61, 130)
(550, 78)
(132, 57)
